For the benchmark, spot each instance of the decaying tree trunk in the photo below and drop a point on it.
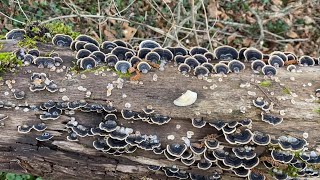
(62, 159)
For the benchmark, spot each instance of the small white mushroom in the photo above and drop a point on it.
(170, 137)
(186, 99)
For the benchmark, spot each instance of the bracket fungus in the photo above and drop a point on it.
(236, 66)
(200, 58)
(271, 119)
(281, 156)
(204, 164)
(165, 54)
(291, 68)
(144, 67)
(91, 47)
(291, 143)
(16, 34)
(226, 53)
(239, 137)
(184, 68)
(306, 61)
(275, 61)
(87, 39)
(153, 57)
(245, 152)
(122, 66)
(197, 50)
(24, 128)
(252, 54)
(257, 65)
(150, 44)
(201, 71)
(269, 70)
(221, 68)
(261, 139)
(198, 148)
(217, 124)
(87, 63)
(108, 126)
(62, 40)
(45, 137)
(192, 62)
(176, 149)
(198, 122)
(39, 127)
(186, 99)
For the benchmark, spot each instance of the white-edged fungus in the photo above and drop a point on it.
(186, 99)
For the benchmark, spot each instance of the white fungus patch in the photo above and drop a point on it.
(305, 135)
(170, 137)
(88, 94)
(186, 141)
(252, 93)
(178, 126)
(155, 77)
(83, 76)
(186, 99)
(62, 90)
(65, 98)
(127, 105)
(190, 134)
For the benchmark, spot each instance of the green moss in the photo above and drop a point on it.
(2, 36)
(13, 176)
(286, 90)
(124, 75)
(61, 28)
(279, 27)
(8, 60)
(317, 110)
(28, 42)
(265, 83)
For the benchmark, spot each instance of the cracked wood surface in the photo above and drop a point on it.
(60, 158)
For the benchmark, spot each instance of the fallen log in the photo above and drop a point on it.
(227, 98)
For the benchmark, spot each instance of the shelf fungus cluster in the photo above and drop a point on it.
(34, 57)
(247, 154)
(232, 146)
(40, 82)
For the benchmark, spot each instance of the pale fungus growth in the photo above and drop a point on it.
(186, 99)
(170, 137)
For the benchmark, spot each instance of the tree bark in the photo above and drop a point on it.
(62, 159)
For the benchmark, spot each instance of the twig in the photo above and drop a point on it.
(261, 38)
(193, 21)
(293, 40)
(207, 25)
(12, 18)
(99, 25)
(23, 11)
(264, 92)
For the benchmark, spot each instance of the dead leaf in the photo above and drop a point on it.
(213, 9)
(128, 31)
(308, 20)
(231, 38)
(277, 2)
(289, 48)
(292, 34)
(247, 42)
(108, 35)
(251, 20)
